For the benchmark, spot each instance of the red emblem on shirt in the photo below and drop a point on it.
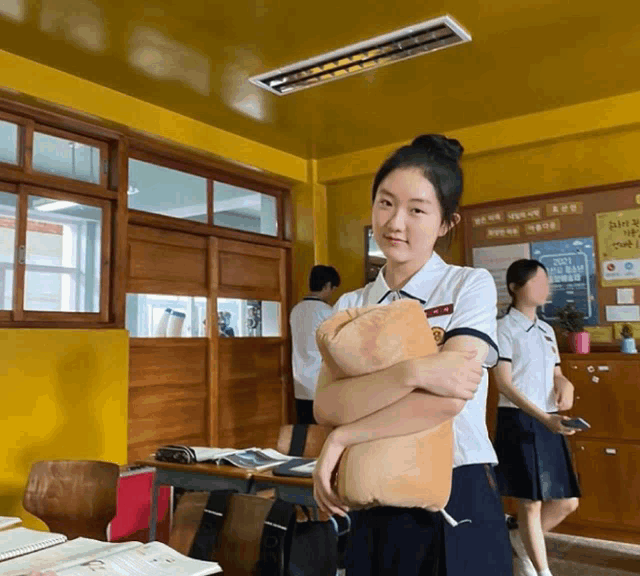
(439, 311)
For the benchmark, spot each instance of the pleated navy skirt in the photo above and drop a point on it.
(534, 463)
(482, 545)
(391, 541)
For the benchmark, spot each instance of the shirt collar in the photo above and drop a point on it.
(419, 286)
(521, 320)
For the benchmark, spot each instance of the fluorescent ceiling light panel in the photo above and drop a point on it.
(402, 44)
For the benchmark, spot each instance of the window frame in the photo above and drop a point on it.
(21, 144)
(18, 312)
(103, 147)
(7, 315)
(211, 175)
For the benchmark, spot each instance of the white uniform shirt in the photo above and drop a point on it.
(457, 301)
(532, 349)
(306, 359)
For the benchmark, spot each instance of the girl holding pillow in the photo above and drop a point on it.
(415, 197)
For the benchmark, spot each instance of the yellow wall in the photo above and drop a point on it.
(303, 249)
(575, 162)
(64, 396)
(56, 87)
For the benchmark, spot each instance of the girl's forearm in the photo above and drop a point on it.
(521, 401)
(339, 402)
(416, 412)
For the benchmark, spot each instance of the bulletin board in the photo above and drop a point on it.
(589, 240)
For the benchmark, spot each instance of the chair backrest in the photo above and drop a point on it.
(315, 439)
(238, 546)
(75, 498)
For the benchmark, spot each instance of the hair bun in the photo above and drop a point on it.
(439, 145)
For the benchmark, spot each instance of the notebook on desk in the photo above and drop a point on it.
(20, 541)
(7, 522)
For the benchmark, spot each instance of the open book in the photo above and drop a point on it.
(85, 557)
(250, 458)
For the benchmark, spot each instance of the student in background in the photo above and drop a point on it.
(415, 197)
(305, 318)
(535, 462)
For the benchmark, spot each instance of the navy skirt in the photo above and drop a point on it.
(390, 541)
(535, 463)
(481, 546)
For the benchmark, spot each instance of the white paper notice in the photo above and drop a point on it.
(623, 313)
(625, 296)
(497, 259)
(621, 269)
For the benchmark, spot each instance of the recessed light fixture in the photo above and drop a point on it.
(402, 44)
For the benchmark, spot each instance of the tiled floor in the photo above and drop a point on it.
(575, 556)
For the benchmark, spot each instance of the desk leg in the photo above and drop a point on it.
(153, 516)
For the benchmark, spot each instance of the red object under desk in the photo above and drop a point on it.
(134, 507)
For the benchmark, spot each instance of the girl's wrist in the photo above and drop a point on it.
(338, 438)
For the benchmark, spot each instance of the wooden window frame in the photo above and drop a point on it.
(56, 319)
(6, 315)
(22, 124)
(212, 175)
(103, 148)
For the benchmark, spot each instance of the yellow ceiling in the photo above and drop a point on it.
(195, 57)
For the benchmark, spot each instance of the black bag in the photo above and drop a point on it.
(286, 547)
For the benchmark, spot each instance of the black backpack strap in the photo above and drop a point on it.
(342, 526)
(206, 538)
(275, 545)
(298, 440)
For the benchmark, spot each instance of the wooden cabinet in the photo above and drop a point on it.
(607, 395)
(607, 457)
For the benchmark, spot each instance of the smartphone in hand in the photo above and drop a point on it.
(577, 424)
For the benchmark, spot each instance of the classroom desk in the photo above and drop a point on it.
(198, 477)
(208, 477)
(288, 488)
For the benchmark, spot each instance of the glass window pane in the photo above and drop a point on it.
(168, 192)
(244, 209)
(166, 316)
(248, 318)
(8, 142)
(67, 158)
(63, 256)
(8, 203)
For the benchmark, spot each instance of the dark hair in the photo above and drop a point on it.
(519, 273)
(438, 158)
(320, 275)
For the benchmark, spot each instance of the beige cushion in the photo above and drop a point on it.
(407, 471)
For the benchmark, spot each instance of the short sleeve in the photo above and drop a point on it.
(505, 341)
(475, 311)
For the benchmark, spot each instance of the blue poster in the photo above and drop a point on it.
(571, 271)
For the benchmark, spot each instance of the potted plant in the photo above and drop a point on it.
(628, 344)
(571, 320)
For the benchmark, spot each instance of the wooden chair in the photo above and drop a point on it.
(315, 439)
(238, 547)
(74, 498)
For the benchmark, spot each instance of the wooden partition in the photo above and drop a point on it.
(229, 392)
(253, 373)
(168, 391)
